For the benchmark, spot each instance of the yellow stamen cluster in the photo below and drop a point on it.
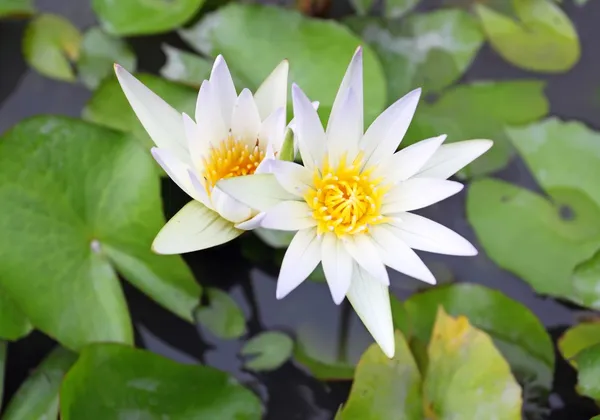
(346, 199)
(231, 158)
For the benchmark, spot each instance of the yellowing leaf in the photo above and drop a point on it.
(578, 338)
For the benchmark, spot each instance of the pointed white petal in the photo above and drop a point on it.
(396, 254)
(364, 252)
(416, 193)
(292, 126)
(289, 215)
(193, 228)
(272, 130)
(259, 191)
(353, 80)
(224, 89)
(245, 123)
(211, 127)
(337, 266)
(252, 223)
(228, 207)
(311, 136)
(371, 301)
(301, 258)
(418, 232)
(451, 158)
(344, 129)
(197, 145)
(160, 120)
(385, 134)
(407, 162)
(175, 169)
(265, 166)
(294, 178)
(200, 189)
(272, 93)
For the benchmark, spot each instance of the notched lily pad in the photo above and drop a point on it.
(267, 351)
(222, 316)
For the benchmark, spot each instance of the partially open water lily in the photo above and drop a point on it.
(231, 136)
(351, 202)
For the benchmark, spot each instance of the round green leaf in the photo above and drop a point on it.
(185, 67)
(588, 371)
(542, 39)
(112, 381)
(140, 17)
(37, 398)
(51, 45)
(13, 323)
(268, 350)
(99, 52)
(578, 338)
(385, 388)
(319, 51)
(78, 201)
(16, 8)
(222, 317)
(467, 377)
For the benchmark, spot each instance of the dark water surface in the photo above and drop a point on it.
(308, 312)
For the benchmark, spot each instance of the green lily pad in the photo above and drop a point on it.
(37, 398)
(541, 38)
(481, 110)
(429, 50)
(385, 388)
(588, 371)
(394, 9)
(109, 107)
(79, 202)
(268, 350)
(222, 317)
(51, 45)
(546, 241)
(578, 338)
(112, 381)
(16, 8)
(142, 17)
(317, 66)
(467, 377)
(362, 7)
(13, 323)
(99, 52)
(185, 67)
(325, 371)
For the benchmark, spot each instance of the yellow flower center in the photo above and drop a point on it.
(231, 158)
(346, 199)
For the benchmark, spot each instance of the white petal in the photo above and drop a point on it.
(294, 178)
(364, 252)
(396, 254)
(301, 258)
(337, 266)
(176, 170)
(209, 119)
(228, 207)
(292, 126)
(451, 158)
(252, 223)
(272, 93)
(371, 301)
(160, 120)
(224, 89)
(344, 129)
(418, 232)
(353, 80)
(265, 166)
(272, 130)
(200, 189)
(259, 191)
(407, 162)
(193, 228)
(245, 123)
(385, 134)
(197, 145)
(416, 193)
(289, 215)
(311, 136)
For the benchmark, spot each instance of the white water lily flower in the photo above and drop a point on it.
(231, 136)
(351, 202)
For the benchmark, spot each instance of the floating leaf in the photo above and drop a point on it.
(13, 323)
(275, 238)
(430, 50)
(542, 39)
(481, 110)
(37, 398)
(268, 350)
(142, 17)
(99, 52)
(362, 7)
(578, 338)
(185, 67)
(51, 45)
(222, 317)
(467, 378)
(244, 35)
(325, 371)
(588, 371)
(16, 8)
(115, 381)
(385, 388)
(78, 201)
(110, 108)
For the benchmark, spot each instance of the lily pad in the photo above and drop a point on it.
(113, 381)
(385, 388)
(394, 9)
(142, 17)
(578, 338)
(467, 377)
(37, 398)
(185, 67)
(362, 7)
(267, 351)
(99, 52)
(16, 8)
(222, 317)
(109, 107)
(317, 66)
(13, 323)
(481, 110)
(79, 202)
(541, 38)
(588, 371)
(429, 50)
(51, 45)
(325, 371)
